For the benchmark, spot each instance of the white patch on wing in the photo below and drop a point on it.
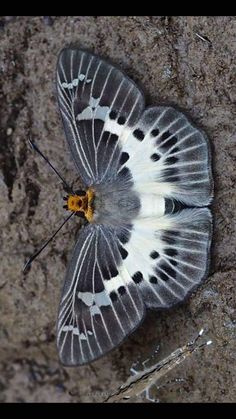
(113, 284)
(94, 310)
(151, 205)
(75, 82)
(86, 297)
(98, 298)
(147, 239)
(114, 128)
(164, 189)
(75, 331)
(93, 111)
(142, 243)
(101, 299)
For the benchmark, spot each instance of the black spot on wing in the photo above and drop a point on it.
(155, 132)
(137, 277)
(165, 135)
(139, 134)
(109, 272)
(105, 273)
(121, 120)
(171, 252)
(173, 262)
(113, 271)
(113, 114)
(124, 157)
(123, 252)
(154, 254)
(155, 157)
(122, 290)
(114, 138)
(153, 279)
(113, 296)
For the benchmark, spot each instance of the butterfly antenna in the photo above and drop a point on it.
(66, 185)
(28, 263)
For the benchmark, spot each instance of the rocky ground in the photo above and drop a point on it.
(188, 61)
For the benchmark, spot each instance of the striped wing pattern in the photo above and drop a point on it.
(98, 104)
(147, 247)
(100, 303)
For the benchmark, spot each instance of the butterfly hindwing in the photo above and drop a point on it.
(98, 104)
(170, 156)
(168, 256)
(100, 303)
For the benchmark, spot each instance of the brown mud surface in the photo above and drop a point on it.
(168, 58)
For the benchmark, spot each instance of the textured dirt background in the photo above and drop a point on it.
(165, 55)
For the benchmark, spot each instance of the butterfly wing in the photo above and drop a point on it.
(168, 256)
(98, 104)
(170, 157)
(100, 303)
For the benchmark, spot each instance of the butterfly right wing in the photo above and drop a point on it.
(100, 303)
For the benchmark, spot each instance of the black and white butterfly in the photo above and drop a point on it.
(149, 175)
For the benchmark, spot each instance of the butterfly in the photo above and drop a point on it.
(147, 184)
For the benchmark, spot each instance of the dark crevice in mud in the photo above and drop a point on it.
(12, 104)
(7, 153)
(22, 156)
(32, 192)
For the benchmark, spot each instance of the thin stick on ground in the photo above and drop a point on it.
(142, 381)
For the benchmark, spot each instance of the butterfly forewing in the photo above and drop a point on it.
(98, 104)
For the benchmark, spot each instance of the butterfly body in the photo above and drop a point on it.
(115, 204)
(149, 182)
(82, 203)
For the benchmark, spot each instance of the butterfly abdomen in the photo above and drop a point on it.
(151, 205)
(115, 206)
(125, 206)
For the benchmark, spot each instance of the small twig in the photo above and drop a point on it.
(143, 380)
(203, 38)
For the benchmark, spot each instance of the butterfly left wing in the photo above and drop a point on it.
(98, 105)
(100, 303)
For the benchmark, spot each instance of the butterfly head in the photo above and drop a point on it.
(81, 202)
